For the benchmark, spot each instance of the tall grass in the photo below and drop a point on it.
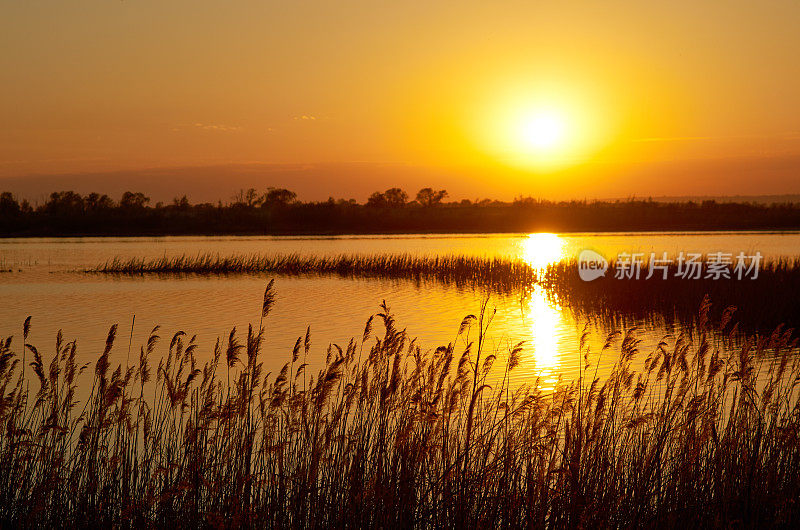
(769, 300)
(388, 434)
(763, 303)
(498, 274)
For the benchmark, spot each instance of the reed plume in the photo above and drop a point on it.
(389, 434)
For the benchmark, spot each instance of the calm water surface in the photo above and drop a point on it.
(46, 282)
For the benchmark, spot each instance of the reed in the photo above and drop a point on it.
(771, 299)
(497, 274)
(390, 435)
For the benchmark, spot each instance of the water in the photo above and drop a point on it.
(46, 281)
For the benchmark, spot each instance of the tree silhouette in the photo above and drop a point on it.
(8, 204)
(248, 199)
(391, 198)
(181, 203)
(69, 213)
(64, 203)
(95, 202)
(133, 201)
(278, 197)
(429, 197)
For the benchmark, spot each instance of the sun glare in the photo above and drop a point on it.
(544, 316)
(544, 136)
(540, 126)
(543, 131)
(543, 249)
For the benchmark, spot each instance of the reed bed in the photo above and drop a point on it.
(498, 274)
(773, 298)
(390, 435)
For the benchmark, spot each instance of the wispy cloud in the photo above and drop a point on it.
(785, 136)
(306, 117)
(208, 127)
(217, 127)
(677, 138)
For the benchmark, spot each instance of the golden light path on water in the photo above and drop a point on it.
(541, 313)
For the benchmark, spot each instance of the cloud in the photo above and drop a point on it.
(206, 127)
(677, 138)
(217, 127)
(785, 136)
(306, 117)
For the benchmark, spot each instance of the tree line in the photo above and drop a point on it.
(278, 211)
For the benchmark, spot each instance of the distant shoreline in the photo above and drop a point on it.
(400, 234)
(278, 213)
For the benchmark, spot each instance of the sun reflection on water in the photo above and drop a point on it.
(541, 312)
(543, 317)
(540, 250)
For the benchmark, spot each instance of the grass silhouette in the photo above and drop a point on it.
(497, 274)
(390, 435)
(621, 301)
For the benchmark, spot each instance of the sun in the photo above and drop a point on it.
(544, 130)
(542, 249)
(543, 136)
(537, 135)
(539, 126)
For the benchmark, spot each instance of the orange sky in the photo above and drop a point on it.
(676, 98)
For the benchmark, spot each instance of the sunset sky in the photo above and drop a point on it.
(567, 99)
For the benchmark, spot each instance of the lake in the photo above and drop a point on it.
(44, 278)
